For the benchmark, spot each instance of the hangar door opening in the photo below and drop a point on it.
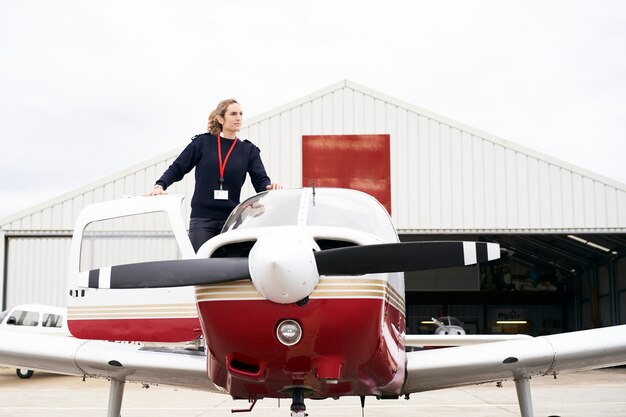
(36, 270)
(542, 284)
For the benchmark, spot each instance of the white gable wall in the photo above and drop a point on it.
(446, 177)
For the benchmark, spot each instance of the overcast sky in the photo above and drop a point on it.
(88, 88)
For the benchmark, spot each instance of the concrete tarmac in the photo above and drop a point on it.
(585, 394)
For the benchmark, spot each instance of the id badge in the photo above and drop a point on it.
(220, 194)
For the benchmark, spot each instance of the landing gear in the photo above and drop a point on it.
(522, 386)
(24, 373)
(116, 392)
(298, 409)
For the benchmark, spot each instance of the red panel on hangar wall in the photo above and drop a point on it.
(359, 162)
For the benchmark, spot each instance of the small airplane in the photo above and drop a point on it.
(35, 318)
(300, 297)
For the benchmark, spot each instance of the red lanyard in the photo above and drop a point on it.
(219, 155)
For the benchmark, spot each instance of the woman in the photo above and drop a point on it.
(221, 161)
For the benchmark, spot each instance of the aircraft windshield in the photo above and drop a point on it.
(352, 209)
(266, 209)
(330, 207)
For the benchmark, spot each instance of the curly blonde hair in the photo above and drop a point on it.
(215, 126)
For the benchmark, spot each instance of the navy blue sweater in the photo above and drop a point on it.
(201, 153)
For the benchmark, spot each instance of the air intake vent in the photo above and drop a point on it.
(333, 243)
(234, 250)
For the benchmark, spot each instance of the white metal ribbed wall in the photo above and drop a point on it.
(445, 176)
(37, 268)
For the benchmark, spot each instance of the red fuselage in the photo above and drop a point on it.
(349, 346)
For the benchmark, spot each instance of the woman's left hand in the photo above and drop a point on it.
(274, 187)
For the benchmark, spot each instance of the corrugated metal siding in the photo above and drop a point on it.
(444, 178)
(111, 250)
(37, 270)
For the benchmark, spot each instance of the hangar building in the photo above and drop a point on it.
(562, 228)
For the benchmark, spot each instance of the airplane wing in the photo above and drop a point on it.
(435, 340)
(94, 358)
(515, 359)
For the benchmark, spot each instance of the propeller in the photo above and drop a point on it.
(175, 273)
(403, 257)
(286, 267)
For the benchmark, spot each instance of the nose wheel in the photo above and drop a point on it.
(298, 409)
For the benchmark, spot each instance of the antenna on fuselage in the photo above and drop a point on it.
(313, 187)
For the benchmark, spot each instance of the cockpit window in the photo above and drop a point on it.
(351, 209)
(265, 209)
(328, 207)
(52, 320)
(23, 318)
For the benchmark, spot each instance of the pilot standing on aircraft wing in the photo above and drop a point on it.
(221, 161)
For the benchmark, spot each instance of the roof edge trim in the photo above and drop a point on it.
(81, 190)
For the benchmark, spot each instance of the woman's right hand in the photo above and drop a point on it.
(157, 190)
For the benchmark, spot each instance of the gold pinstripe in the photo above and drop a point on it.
(241, 290)
(327, 288)
(132, 306)
(132, 311)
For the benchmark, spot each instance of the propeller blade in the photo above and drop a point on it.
(176, 273)
(399, 257)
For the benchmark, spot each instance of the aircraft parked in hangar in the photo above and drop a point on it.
(301, 296)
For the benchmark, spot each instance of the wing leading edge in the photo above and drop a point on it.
(428, 340)
(94, 358)
(467, 365)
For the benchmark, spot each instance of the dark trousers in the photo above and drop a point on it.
(201, 230)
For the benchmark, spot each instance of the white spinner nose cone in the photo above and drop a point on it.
(282, 267)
